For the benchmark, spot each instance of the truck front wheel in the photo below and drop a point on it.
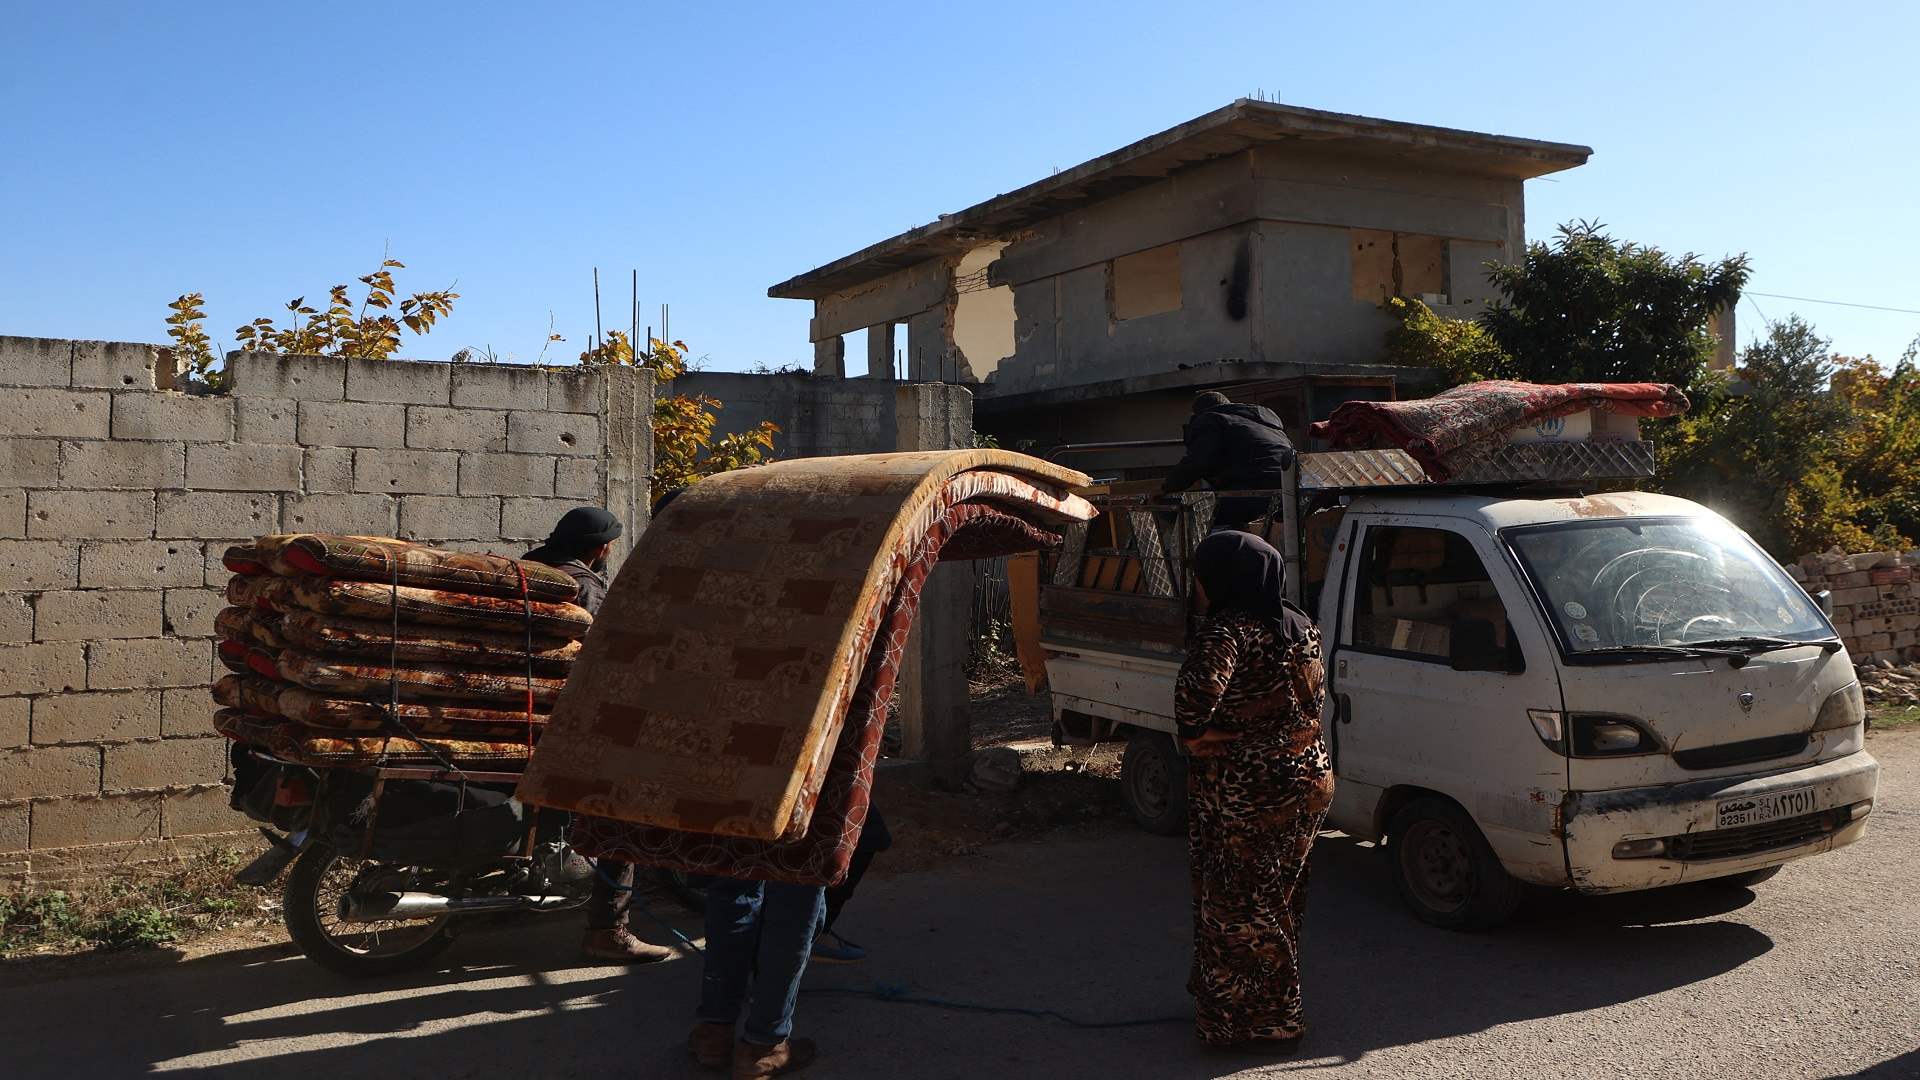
(1444, 869)
(1153, 782)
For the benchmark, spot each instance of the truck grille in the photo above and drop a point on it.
(1755, 839)
(1742, 753)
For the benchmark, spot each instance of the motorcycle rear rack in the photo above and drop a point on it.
(383, 773)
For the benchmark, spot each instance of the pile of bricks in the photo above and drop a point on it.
(1876, 601)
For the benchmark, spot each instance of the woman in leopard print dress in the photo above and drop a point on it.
(1248, 705)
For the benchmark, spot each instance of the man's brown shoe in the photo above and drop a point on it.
(711, 1045)
(619, 945)
(753, 1062)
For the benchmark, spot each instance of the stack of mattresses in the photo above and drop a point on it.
(363, 650)
(727, 712)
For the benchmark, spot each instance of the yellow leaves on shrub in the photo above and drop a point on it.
(684, 447)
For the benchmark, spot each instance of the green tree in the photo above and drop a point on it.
(1589, 308)
(1772, 456)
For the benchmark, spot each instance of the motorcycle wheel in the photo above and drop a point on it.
(316, 894)
(683, 891)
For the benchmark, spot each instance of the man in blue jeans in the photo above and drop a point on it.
(759, 935)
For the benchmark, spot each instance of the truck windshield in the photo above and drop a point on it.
(1632, 583)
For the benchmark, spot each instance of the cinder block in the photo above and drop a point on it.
(271, 375)
(579, 478)
(15, 713)
(430, 427)
(578, 390)
(358, 515)
(54, 414)
(38, 564)
(88, 515)
(189, 613)
(97, 613)
(329, 470)
(449, 517)
(216, 572)
(189, 515)
(532, 519)
(186, 711)
(16, 617)
(42, 667)
(352, 423)
(400, 382)
(406, 472)
(165, 763)
(141, 564)
(26, 463)
(13, 827)
(506, 474)
(170, 417)
(1849, 597)
(499, 386)
(123, 365)
(1873, 643)
(50, 770)
(96, 718)
(31, 361)
(554, 433)
(143, 663)
(146, 465)
(1854, 580)
(266, 420)
(13, 515)
(244, 467)
(201, 811)
(101, 819)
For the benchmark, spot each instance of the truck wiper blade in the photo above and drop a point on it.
(1738, 657)
(1760, 643)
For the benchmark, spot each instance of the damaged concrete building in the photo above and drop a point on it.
(1250, 250)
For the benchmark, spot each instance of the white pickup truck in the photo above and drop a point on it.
(1526, 684)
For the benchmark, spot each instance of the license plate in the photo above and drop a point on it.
(1760, 809)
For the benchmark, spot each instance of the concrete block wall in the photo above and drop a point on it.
(1876, 601)
(118, 495)
(818, 415)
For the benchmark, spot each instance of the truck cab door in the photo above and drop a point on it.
(1437, 660)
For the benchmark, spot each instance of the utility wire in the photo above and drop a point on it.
(1836, 303)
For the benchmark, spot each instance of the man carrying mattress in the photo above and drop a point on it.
(579, 545)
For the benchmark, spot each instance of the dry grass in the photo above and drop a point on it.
(143, 908)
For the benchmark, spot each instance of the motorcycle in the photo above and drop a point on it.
(386, 866)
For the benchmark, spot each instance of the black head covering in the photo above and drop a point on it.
(1210, 399)
(1243, 573)
(581, 531)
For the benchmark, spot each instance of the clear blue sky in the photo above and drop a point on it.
(255, 152)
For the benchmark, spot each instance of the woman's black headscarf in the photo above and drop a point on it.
(581, 531)
(1242, 572)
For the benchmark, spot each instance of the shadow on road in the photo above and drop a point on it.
(1092, 926)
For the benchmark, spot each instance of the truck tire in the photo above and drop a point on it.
(1446, 873)
(1153, 783)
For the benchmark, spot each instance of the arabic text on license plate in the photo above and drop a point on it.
(1759, 809)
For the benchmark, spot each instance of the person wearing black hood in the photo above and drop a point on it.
(1233, 448)
(579, 546)
(1247, 703)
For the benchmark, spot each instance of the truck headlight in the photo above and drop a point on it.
(1592, 734)
(1599, 735)
(1844, 708)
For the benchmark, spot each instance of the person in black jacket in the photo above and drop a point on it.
(1233, 448)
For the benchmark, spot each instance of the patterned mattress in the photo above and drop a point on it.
(740, 657)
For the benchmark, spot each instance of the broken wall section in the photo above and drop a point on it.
(118, 496)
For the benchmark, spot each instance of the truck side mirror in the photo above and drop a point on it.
(1825, 599)
(1474, 646)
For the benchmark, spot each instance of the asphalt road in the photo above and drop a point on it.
(1815, 974)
